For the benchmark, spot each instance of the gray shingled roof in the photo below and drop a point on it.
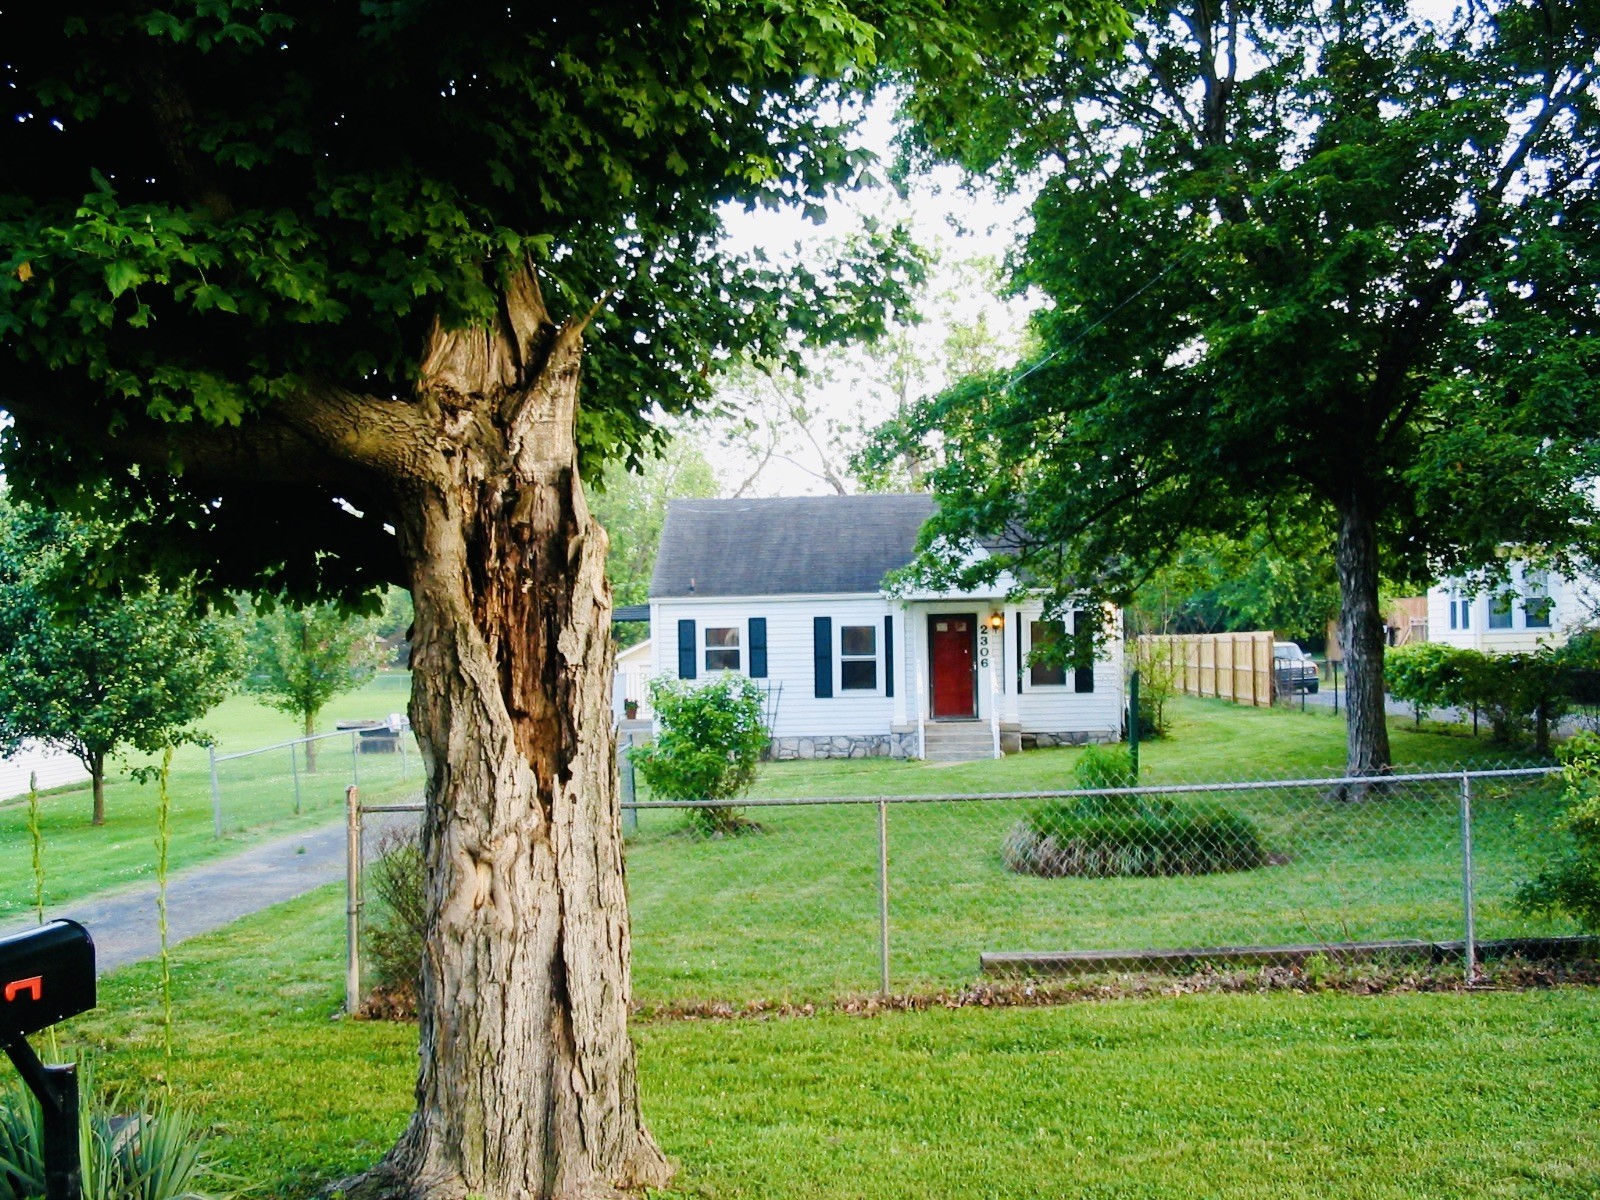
(800, 545)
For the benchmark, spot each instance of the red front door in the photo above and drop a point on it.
(952, 647)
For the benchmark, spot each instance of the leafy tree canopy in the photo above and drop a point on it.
(1306, 264)
(228, 207)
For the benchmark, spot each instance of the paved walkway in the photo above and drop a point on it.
(208, 895)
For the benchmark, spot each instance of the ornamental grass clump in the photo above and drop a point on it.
(144, 1148)
(1100, 837)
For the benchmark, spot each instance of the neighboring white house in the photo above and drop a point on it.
(635, 665)
(791, 593)
(1536, 608)
(49, 768)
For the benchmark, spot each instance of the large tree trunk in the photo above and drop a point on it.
(1361, 633)
(527, 1085)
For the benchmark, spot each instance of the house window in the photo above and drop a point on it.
(1046, 636)
(722, 648)
(858, 658)
(1536, 600)
(1500, 611)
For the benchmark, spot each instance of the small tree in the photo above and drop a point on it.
(88, 675)
(708, 741)
(1571, 885)
(300, 658)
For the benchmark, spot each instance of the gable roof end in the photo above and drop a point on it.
(798, 545)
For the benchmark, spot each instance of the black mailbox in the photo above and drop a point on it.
(46, 975)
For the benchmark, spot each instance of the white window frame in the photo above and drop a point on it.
(739, 627)
(1536, 587)
(1028, 685)
(839, 656)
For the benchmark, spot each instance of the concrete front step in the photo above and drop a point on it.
(964, 742)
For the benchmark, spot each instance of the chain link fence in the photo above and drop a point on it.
(819, 898)
(256, 788)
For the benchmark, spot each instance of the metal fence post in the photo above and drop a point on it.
(294, 769)
(629, 788)
(352, 883)
(883, 896)
(216, 795)
(1470, 944)
(355, 769)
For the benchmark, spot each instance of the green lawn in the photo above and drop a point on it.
(258, 799)
(1219, 1096)
(792, 912)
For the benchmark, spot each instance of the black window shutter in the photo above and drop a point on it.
(1019, 654)
(758, 647)
(686, 655)
(1082, 677)
(888, 656)
(822, 652)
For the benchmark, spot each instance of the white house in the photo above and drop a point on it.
(631, 682)
(48, 768)
(1536, 608)
(791, 592)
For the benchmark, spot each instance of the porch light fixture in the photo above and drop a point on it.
(997, 620)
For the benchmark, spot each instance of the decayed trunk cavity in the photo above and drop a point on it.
(1361, 632)
(527, 1085)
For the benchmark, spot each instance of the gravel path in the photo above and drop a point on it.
(207, 896)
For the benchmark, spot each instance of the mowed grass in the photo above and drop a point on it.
(258, 800)
(1279, 1095)
(791, 911)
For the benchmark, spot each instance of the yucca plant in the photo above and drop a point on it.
(153, 1151)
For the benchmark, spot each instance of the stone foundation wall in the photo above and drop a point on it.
(1040, 741)
(872, 745)
(904, 744)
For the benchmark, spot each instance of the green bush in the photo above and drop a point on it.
(1571, 884)
(1429, 675)
(1106, 836)
(144, 1149)
(1515, 691)
(709, 739)
(399, 921)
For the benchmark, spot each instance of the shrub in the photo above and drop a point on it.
(1519, 690)
(399, 921)
(1105, 767)
(709, 739)
(1571, 884)
(1428, 675)
(144, 1149)
(1105, 836)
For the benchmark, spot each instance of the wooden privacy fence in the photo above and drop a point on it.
(1234, 666)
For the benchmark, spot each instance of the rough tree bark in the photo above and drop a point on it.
(1361, 635)
(527, 1085)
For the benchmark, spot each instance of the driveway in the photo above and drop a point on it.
(124, 923)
